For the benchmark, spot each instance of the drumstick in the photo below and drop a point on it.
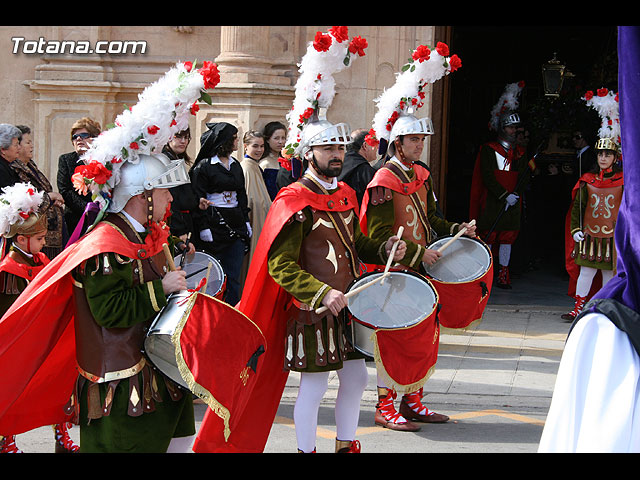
(167, 253)
(393, 251)
(351, 293)
(206, 281)
(458, 235)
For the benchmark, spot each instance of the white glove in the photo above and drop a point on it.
(206, 235)
(249, 229)
(511, 199)
(578, 236)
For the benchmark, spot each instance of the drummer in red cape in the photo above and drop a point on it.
(401, 194)
(308, 253)
(83, 318)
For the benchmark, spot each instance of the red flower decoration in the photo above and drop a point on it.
(340, 33)
(602, 92)
(322, 42)
(133, 146)
(306, 115)
(442, 49)
(210, 74)
(194, 109)
(24, 215)
(455, 63)
(153, 129)
(357, 45)
(421, 53)
(588, 95)
(188, 66)
(521, 84)
(94, 170)
(371, 138)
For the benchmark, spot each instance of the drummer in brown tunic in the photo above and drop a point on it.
(388, 209)
(401, 194)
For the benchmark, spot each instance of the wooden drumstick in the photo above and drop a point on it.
(353, 292)
(457, 235)
(206, 281)
(393, 252)
(167, 253)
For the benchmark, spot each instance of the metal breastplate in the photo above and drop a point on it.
(602, 211)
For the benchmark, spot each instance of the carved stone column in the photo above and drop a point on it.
(252, 90)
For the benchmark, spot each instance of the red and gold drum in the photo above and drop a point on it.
(463, 277)
(395, 322)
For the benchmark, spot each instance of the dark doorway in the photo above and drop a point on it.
(494, 56)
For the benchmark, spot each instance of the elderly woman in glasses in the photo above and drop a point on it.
(83, 132)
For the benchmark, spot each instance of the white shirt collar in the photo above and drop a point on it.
(214, 160)
(327, 185)
(138, 227)
(397, 161)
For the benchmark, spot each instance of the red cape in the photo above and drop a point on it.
(572, 269)
(24, 270)
(385, 178)
(37, 335)
(264, 304)
(478, 193)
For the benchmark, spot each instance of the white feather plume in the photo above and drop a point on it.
(406, 94)
(508, 101)
(316, 85)
(162, 110)
(17, 202)
(607, 106)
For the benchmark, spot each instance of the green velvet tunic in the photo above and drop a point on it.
(496, 194)
(116, 303)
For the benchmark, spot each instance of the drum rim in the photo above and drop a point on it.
(484, 274)
(217, 265)
(395, 270)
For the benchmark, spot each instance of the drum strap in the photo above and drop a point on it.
(422, 214)
(338, 222)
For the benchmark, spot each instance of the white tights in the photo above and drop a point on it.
(504, 254)
(353, 379)
(585, 279)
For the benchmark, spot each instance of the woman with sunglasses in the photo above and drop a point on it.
(83, 132)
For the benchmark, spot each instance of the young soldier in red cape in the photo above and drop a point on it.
(591, 225)
(26, 229)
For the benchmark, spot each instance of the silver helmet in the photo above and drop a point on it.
(407, 124)
(151, 171)
(320, 131)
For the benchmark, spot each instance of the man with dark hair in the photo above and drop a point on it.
(357, 170)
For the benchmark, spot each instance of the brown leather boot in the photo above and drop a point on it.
(411, 407)
(387, 415)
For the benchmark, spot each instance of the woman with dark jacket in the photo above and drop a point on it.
(82, 134)
(185, 208)
(218, 178)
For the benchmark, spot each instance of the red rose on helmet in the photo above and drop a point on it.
(322, 42)
(421, 53)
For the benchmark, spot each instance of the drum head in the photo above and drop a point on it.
(463, 261)
(197, 265)
(400, 300)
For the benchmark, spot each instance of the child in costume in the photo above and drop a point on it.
(596, 200)
(25, 229)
